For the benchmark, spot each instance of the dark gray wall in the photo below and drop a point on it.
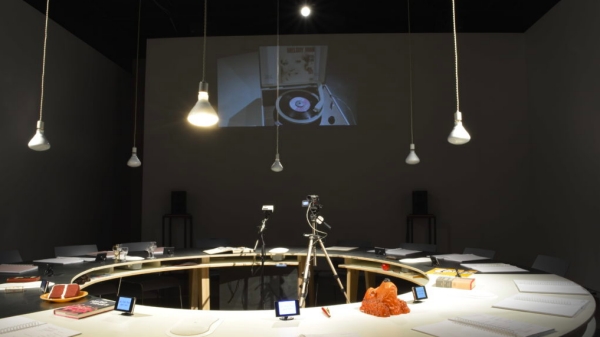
(564, 87)
(481, 192)
(74, 193)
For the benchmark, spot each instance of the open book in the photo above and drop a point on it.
(541, 304)
(234, 250)
(483, 326)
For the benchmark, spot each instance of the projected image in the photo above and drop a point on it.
(248, 94)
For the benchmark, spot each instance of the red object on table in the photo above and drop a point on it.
(385, 266)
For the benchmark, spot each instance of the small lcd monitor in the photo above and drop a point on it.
(419, 293)
(286, 308)
(125, 305)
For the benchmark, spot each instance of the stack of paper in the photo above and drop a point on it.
(61, 260)
(483, 326)
(16, 268)
(493, 267)
(460, 257)
(551, 287)
(550, 305)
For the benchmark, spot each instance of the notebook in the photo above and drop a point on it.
(542, 304)
(19, 326)
(61, 260)
(551, 287)
(16, 268)
(482, 325)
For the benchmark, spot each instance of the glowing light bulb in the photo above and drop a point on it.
(305, 11)
(203, 114)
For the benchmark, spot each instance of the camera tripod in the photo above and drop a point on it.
(314, 238)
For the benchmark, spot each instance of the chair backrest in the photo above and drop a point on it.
(354, 243)
(10, 256)
(76, 250)
(136, 246)
(480, 252)
(423, 247)
(211, 243)
(551, 264)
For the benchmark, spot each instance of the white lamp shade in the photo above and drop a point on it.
(459, 134)
(277, 167)
(134, 161)
(412, 158)
(39, 141)
(203, 114)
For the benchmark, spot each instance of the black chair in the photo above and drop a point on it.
(10, 256)
(144, 284)
(480, 252)
(99, 289)
(423, 247)
(76, 250)
(551, 264)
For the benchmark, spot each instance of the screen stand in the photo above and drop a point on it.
(127, 313)
(417, 301)
(286, 318)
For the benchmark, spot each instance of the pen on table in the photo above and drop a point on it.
(326, 311)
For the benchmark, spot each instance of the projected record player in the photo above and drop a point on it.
(303, 98)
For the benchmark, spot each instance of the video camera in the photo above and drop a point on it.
(268, 210)
(313, 202)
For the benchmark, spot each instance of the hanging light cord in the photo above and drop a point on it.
(277, 87)
(44, 59)
(204, 40)
(410, 73)
(137, 62)
(455, 54)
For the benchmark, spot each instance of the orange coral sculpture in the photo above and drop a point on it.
(383, 301)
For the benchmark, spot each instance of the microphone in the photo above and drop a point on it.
(321, 221)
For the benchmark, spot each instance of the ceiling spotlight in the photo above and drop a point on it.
(305, 11)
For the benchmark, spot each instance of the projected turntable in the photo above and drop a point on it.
(304, 98)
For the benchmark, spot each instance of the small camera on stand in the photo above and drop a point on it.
(268, 210)
(312, 201)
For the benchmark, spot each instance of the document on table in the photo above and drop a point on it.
(460, 257)
(550, 287)
(61, 260)
(340, 248)
(541, 304)
(400, 251)
(493, 267)
(17, 268)
(483, 326)
(19, 326)
(334, 334)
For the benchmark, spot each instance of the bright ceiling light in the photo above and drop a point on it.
(305, 11)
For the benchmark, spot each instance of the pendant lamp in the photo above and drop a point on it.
(134, 161)
(39, 142)
(277, 167)
(203, 114)
(459, 134)
(412, 158)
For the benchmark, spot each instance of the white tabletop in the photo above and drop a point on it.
(443, 303)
